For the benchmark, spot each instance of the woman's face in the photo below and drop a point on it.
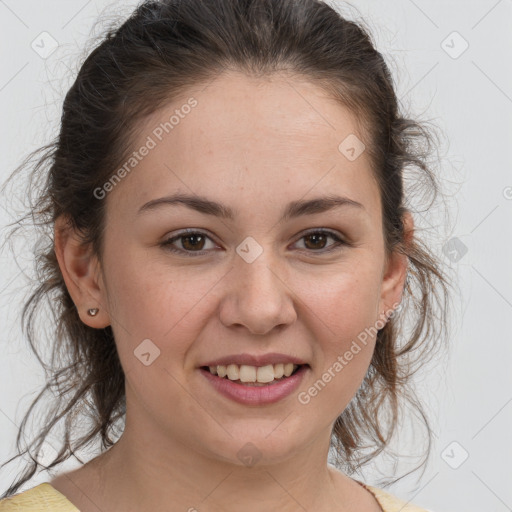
(250, 280)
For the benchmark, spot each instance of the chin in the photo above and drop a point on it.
(252, 446)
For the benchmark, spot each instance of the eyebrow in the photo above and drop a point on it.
(209, 207)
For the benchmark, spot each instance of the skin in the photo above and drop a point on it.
(253, 144)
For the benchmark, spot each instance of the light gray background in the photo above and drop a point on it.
(469, 394)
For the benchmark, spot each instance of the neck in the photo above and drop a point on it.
(144, 473)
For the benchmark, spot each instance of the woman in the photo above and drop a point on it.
(231, 246)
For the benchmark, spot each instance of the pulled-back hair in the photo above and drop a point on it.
(160, 51)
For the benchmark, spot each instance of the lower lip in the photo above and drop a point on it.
(256, 395)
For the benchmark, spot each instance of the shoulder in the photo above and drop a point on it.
(390, 503)
(42, 497)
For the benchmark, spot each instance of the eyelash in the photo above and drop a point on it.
(184, 234)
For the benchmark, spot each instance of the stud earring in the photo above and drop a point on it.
(93, 311)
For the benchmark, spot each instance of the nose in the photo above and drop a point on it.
(257, 297)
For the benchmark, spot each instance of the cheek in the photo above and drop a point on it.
(160, 303)
(341, 311)
(345, 300)
(157, 314)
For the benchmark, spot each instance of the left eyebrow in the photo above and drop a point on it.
(292, 210)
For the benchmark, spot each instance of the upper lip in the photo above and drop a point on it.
(254, 360)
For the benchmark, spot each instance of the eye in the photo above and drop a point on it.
(193, 242)
(316, 240)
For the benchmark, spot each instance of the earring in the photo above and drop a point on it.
(93, 311)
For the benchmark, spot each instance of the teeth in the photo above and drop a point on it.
(265, 373)
(233, 372)
(288, 369)
(246, 373)
(278, 370)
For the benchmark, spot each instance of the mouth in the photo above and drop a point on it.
(243, 384)
(249, 375)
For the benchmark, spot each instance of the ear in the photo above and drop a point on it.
(82, 274)
(395, 272)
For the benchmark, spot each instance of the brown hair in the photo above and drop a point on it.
(162, 49)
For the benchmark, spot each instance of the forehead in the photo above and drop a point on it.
(277, 113)
(276, 136)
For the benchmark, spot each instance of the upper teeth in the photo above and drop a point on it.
(246, 373)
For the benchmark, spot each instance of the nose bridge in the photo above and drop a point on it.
(258, 272)
(258, 297)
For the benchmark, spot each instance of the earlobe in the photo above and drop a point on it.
(395, 274)
(80, 271)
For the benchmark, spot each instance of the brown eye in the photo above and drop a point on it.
(191, 242)
(316, 241)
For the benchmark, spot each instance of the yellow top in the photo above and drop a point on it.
(44, 497)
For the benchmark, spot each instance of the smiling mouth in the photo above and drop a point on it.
(254, 375)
